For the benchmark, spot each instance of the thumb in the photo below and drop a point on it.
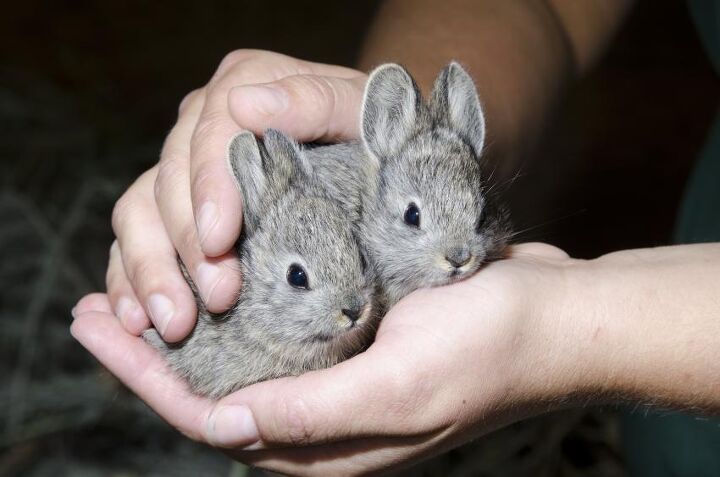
(306, 107)
(358, 398)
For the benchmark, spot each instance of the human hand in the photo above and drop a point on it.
(189, 202)
(448, 364)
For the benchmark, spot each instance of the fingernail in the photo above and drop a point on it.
(232, 426)
(206, 219)
(161, 311)
(208, 276)
(265, 99)
(73, 312)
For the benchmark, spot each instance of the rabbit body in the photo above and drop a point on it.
(293, 231)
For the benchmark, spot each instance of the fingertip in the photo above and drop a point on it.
(174, 319)
(136, 321)
(218, 227)
(93, 302)
(85, 326)
(225, 289)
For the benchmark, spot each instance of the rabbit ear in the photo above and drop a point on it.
(455, 104)
(392, 109)
(285, 162)
(246, 165)
(263, 171)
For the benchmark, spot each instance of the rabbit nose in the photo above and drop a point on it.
(458, 256)
(353, 313)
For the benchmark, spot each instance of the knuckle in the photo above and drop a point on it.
(112, 270)
(202, 180)
(121, 210)
(235, 57)
(187, 243)
(189, 98)
(207, 128)
(143, 273)
(406, 392)
(315, 89)
(169, 172)
(295, 426)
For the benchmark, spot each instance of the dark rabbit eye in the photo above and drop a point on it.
(412, 215)
(297, 277)
(480, 221)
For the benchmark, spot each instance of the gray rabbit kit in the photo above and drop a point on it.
(307, 298)
(429, 217)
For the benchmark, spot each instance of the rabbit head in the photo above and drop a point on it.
(430, 219)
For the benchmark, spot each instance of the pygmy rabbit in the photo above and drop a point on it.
(307, 299)
(429, 214)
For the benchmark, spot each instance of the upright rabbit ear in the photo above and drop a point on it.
(247, 166)
(392, 109)
(263, 171)
(285, 161)
(455, 104)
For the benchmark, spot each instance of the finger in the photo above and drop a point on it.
(150, 262)
(354, 399)
(142, 370)
(127, 306)
(93, 302)
(216, 199)
(201, 146)
(218, 279)
(306, 107)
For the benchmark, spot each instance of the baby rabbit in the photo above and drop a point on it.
(306, 301)
(428, 214)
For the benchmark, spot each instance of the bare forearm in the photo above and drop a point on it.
(647, 326)
(521, 53)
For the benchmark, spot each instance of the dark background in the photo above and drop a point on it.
(87, 94)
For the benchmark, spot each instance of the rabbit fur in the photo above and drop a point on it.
(276, 329)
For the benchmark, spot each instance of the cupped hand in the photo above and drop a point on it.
(448, 364)
(188, 205)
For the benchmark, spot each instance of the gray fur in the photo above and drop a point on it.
(274, 329)
(429, 154)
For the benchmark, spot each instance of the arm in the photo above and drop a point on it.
(649, 326)
(534, 333)
(521, 53)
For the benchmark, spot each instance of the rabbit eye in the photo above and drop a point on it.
(297, 277)
(480, 221)
(412, 215)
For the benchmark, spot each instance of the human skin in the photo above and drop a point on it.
(536, 332)
(520, 53)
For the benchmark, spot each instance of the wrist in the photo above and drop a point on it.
(640, 325)
(548, 367)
